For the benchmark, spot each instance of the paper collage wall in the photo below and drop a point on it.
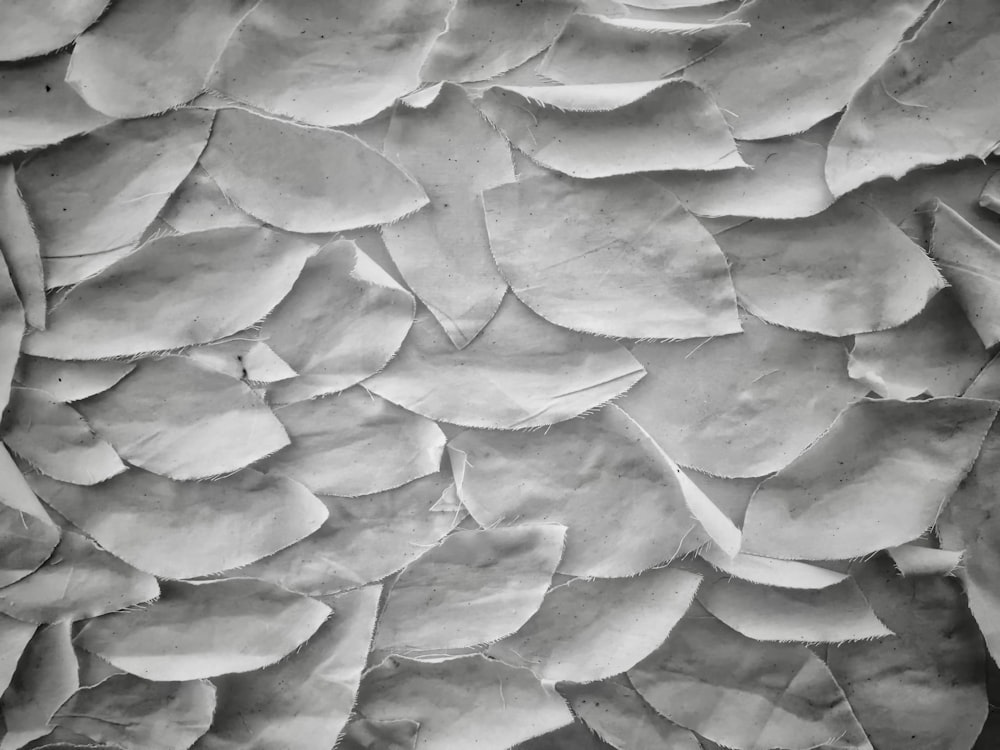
(536, 374)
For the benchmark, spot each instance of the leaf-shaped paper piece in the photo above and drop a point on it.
(573, 736)
(917, 560)
(364, 539)
(568, 475)
(901, 687)
(14, 639)
(368, 734)
(11, 333)
(876, 479)
(46, 677)
(730, 495)
(443, 251)
(603, 130)
(242, 356)
(522, 371)
(66, 380)
(99, 192)
(829, 615)
(472, 588)
(987, 382)
(80, 580)
(847, 270)
(517, 32)
(328, 65)
(29, 28)
(355, 444)
(20, 249)
(930, 102)
(175, 291)
(56, 440)
(620, 716)
(989, 197)
(15, 492)
(187, 529)
(775, 695)
(342, 322)
(93, 669)
(71, 270)
(971, 262)
(591, 630)
(25, 543)
(304, 701)
(801, 62)
(616, 257)
(134, 714)
(176, 418)
(785, 181)
(199, 204)
(280, 173)
(769, 571)
(605, 49)
(938, 353)
(470, 701)
(145, 56)
(197, 630)
(742, 405)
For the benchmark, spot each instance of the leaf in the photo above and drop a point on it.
(199, 204)
(243, 357)
(743, 405)
(304, 701)
(876, 479)
(29, 28)
(187, 529)
(463, 702)
(279, 172)
(79, 581)
(829, 615)
(135, 714)
(169, 411)
(15, 492)
(619, 715)
(101, 191)
(363, 540)
(56, 440)
(19, 247)
(770, 571)
(574, 474)
(366, 734)
(915, 559)
(14, 638)
(591, 630)
(173, 292)
(936, 353)
(342, 322)
(775, 695)
(46, 677)
(616, 257)
(443, 250)
(355, 444)
(606, 49)
(145, 57)
(520, 372)
(930, 102)
(205, 629)
(25, 543)
(603, 130)
(801, 62)
(66, 381)
(11, 333)
(987, 382)
(901, 687)
(847, 270)
(472, 588)
(971, 262)
(327, 65)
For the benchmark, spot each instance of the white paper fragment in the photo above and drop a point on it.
(355, 444)
(198, 630)
(14, 638)
(282, 174)
(67, 381)
(472, 588)
(847, 270)
(29, 28)
(520, 372)
(918, 560)
(15, 492)
(20, 250)
(442, 250)
(199, 204)
(11, 333)
(188, 529)
(369, 734)
(604, 130)
(876, 479)
(53, 438)
(175, 418)
(25, 543)
(328, 65)
(616, 257)
(466, 702)
(244, 357)
(64, 272)
(801, 61)
(575, 736)
(930, 102)
(987, 382)
(989, 198)
(344, 319)
(769, 571)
